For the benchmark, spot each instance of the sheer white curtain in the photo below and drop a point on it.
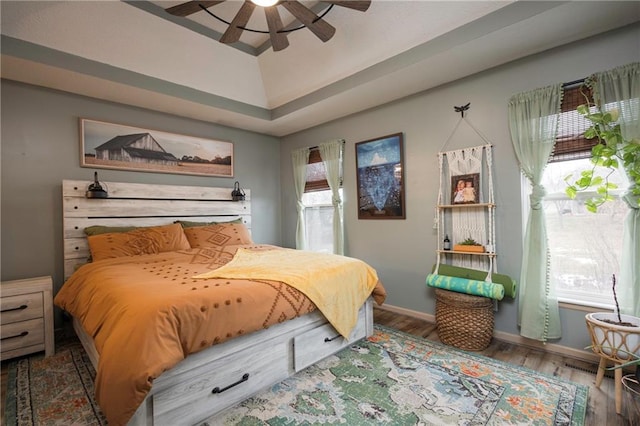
(533, 123)
(620, 89)
(331, 154)
(300, 159)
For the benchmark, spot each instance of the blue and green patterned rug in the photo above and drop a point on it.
(395, 378)
(391, 378)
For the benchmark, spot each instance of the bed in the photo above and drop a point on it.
(221, 373)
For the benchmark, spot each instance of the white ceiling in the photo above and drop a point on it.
(136, 53)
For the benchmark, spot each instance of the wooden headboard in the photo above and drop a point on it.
(136, 204)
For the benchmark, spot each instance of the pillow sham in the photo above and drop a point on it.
(218, 235)
(150, 240)
(189, 224)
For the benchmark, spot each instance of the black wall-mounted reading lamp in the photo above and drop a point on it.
(237, 194)
(95, 190)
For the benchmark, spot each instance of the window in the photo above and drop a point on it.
(318, 211)
(570, 142)
(318, 216)
(316, 173)
(582, 263)
(585, 247)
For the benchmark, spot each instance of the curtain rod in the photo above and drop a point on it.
(318, 147)
(573, 83)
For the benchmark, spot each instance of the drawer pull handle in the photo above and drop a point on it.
(245, 377)
(24, 333)
(19, 308)
(331, 339)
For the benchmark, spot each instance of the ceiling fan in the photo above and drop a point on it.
(277, 34)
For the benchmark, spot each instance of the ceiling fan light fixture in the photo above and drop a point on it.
(277, 32)
(264, 3)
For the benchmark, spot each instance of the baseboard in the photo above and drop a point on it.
(506, 337)
(408, 312)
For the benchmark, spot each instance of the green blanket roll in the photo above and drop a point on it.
(473, 274)
(463, 285)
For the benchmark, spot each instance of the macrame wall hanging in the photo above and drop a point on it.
(466, 201)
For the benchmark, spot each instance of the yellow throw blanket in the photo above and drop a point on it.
(337, 285)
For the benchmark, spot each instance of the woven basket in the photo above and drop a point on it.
(463, 320)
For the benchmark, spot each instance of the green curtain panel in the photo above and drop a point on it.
(619, 89)
(331, 154)
(533, 123)
(300, 158)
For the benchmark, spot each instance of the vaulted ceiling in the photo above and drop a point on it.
(136, 53)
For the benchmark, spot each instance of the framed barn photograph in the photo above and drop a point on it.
(465, 189)
(117, 146)
(380, 175)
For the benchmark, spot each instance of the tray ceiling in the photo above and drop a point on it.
(135, 53)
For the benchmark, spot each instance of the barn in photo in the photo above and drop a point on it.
(137, 148)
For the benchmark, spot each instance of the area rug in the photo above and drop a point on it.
(57, 390)
(398, 379)
(391, 378)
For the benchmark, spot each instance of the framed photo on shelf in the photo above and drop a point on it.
(117, 146)
(465, 189)
(380, 175)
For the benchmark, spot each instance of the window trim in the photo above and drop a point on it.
(575, 306)
(583, 305)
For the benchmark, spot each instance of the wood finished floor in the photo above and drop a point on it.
(601, 406)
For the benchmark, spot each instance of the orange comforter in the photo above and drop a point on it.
(147, 313)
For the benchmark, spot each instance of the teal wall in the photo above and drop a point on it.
(40, 147)
(403, 251)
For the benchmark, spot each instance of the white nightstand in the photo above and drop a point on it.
(26, 317)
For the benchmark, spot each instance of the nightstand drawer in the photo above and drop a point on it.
(22, 334)
(21, 307)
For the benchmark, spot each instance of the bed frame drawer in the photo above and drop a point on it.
(224, 383)
(21, 307)
(316, 344)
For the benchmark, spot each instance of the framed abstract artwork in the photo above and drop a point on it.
(117, 146)
(380, 176)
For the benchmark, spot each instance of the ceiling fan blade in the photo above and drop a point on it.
(359, 5)
(240, 20)
(184, 9)
(319, 27)
(279, 41)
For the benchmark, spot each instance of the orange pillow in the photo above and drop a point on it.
(155, 239)
(218, 235)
